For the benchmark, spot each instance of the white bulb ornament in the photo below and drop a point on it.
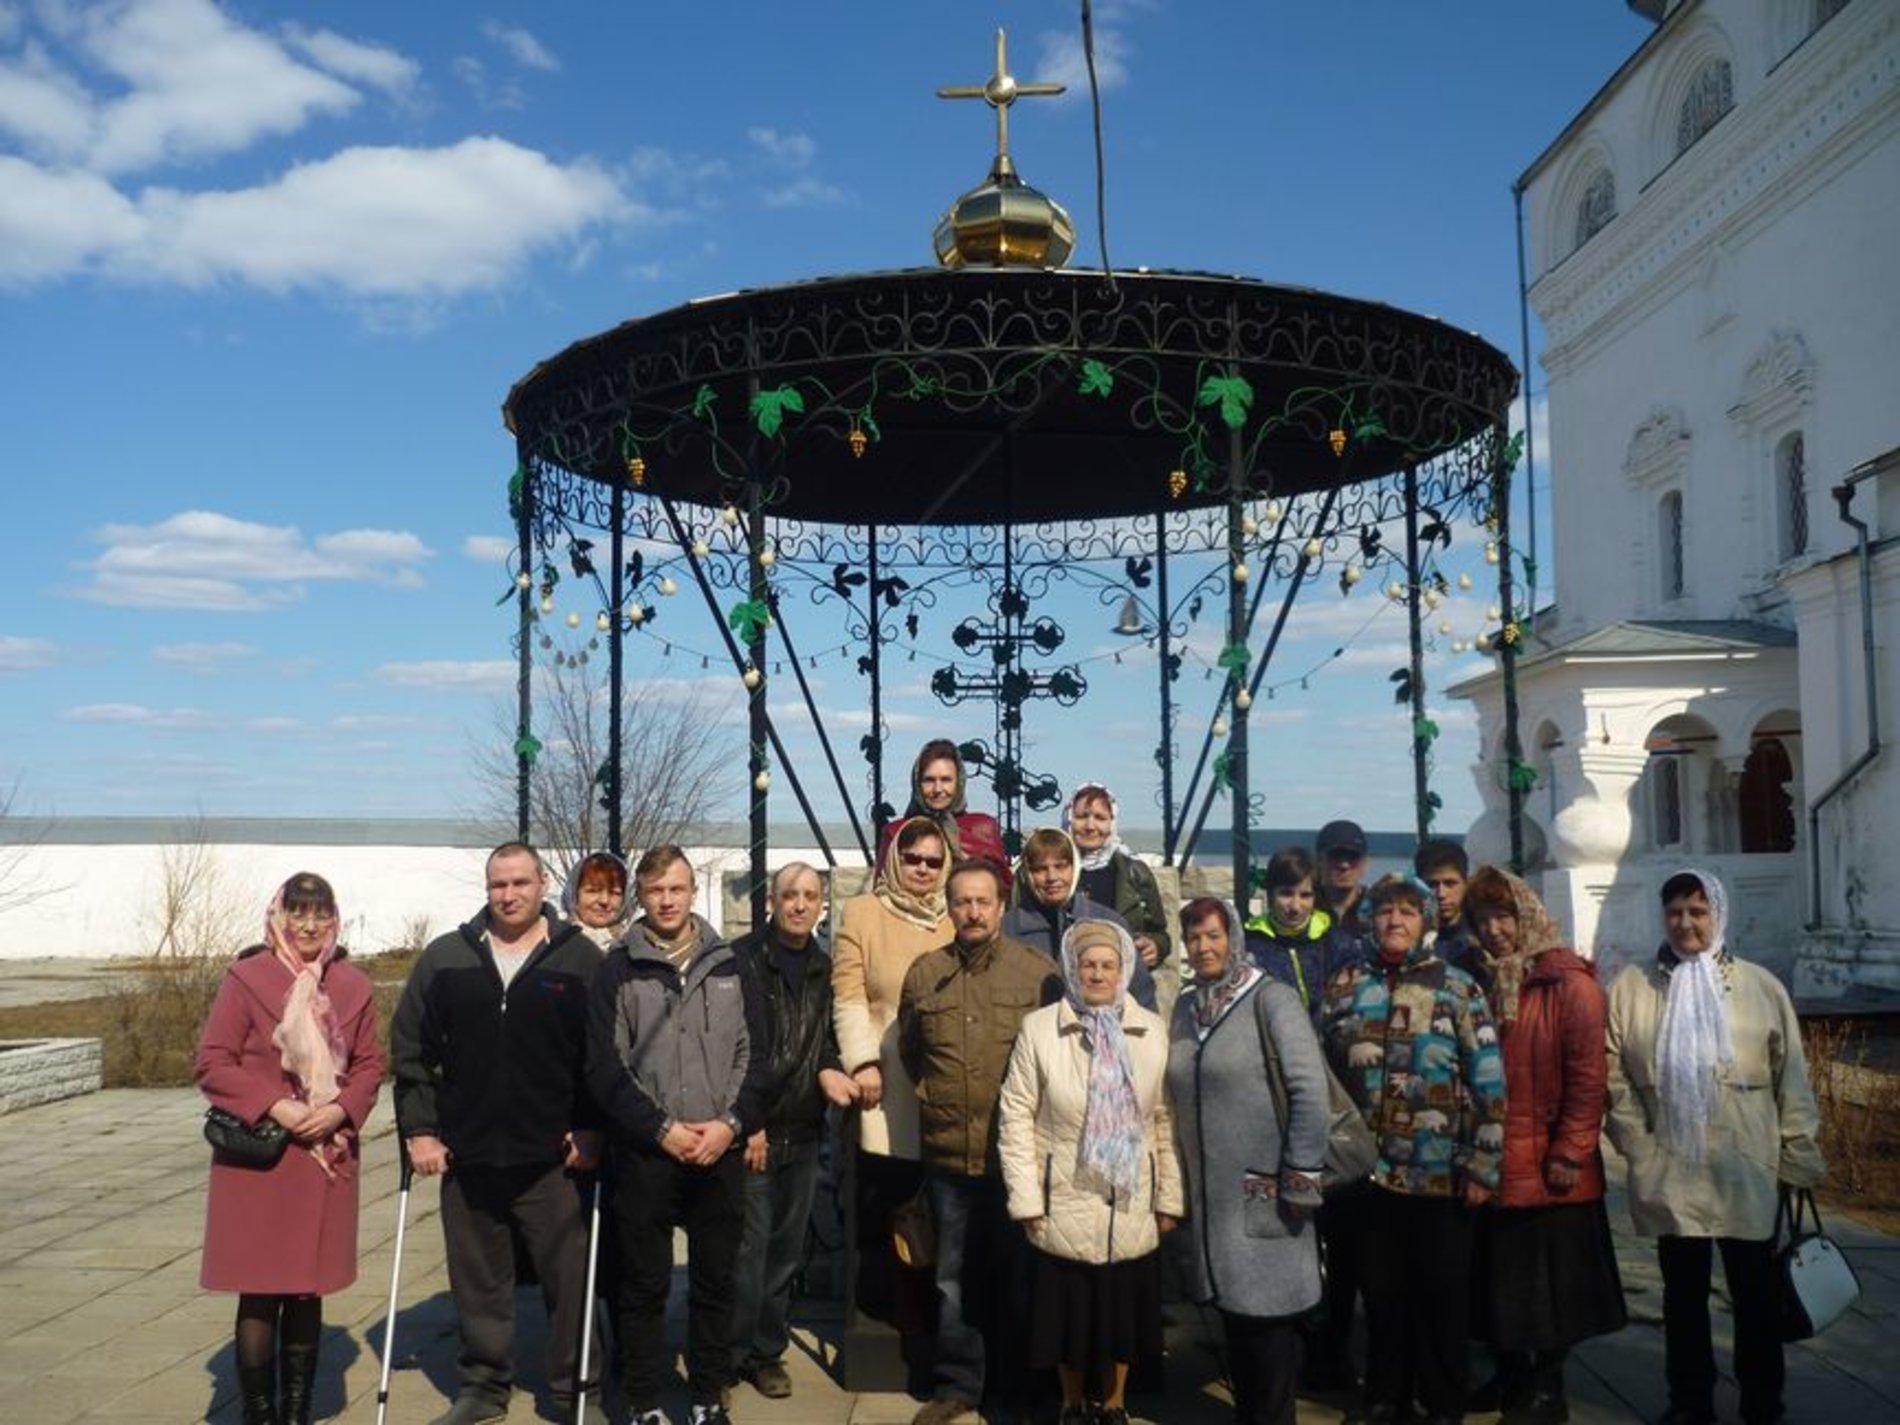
(751, 677)
(1464, 582)
(1220, 727)
(1243, 699)
(1240, 573)
(762, 782)
(573, 620)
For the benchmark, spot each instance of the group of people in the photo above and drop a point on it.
(1056, 1095)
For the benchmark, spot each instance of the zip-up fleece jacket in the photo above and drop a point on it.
(665, 1047)
(1303, 960)
(802, 1043)
(496, 1074)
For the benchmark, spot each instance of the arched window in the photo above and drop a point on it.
(1711, 95)
(1766, 808)
(1791, 493)
(1669, 542)
(1597, 206)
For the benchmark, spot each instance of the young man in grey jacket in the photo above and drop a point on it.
(676, 1057)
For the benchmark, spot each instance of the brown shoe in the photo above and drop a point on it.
(950, 1411)
(770, 1380)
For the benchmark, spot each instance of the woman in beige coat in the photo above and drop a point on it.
(1087, 1148)
(878, 937)
(1709, 1101)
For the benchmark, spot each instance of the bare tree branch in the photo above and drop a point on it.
(20, 883)
(674, 749)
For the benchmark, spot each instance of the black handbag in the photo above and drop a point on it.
(252, 1145)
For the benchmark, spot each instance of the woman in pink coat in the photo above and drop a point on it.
(291, 1037)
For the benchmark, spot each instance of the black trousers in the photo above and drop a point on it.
(483, 1209)
(1263, 1358)
(1689, 1351)
(1415, 1270)
(653, 1195)
(1340, 1222)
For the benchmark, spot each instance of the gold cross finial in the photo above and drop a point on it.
(999, 92)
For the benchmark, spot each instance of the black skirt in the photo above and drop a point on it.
(1547, 1277)
(1089, 1317)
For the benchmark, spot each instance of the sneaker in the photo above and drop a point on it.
(472, 1410)
(648, 1417)
(946, 1412)
(713, 1414)
(770, 1380)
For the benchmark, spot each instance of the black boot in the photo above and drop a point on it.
(300, 1382)
(257, 1393)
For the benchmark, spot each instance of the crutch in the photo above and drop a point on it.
(587, 1310)
(395, 1279)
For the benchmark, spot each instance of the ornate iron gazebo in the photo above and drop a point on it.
(870, 438)
(1178, 441)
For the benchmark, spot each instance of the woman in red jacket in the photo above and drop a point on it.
(1547, 1272)
(291, 1037)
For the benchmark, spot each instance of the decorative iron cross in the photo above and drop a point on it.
(999, 91)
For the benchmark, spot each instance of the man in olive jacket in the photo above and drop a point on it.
(956, 1023)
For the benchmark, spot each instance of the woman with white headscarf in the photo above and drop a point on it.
(1709, 1101)
(1087, 1150)
(1109, 874)
(292, 1039)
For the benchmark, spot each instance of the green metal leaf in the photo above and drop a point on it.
(1234, 659)
(1232, 394)
(769, 407)
(750, 618)
(1514, 450)
(1096, 379)
(1368, 428)
(1523, 778)
(1424, 730)
(703, 400)
(528, 747)
(1223, 772)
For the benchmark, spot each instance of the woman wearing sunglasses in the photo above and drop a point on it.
(878, 937)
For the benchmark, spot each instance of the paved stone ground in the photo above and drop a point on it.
(101, 1318)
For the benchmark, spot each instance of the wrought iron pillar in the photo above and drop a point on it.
(524, 657)
(758, 718)
(1238, 621)
(1508, 636)
(874, 745)
(1415, 679)
(614, 800)
(1164, 752)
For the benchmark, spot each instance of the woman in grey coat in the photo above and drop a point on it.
(1253, 1171)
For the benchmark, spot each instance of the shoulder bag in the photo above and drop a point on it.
(251, 1145)
(1817, 1284)
(1351, 1152)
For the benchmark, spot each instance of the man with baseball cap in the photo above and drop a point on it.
(1342, 872)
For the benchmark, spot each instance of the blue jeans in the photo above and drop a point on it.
(777, 1213)
(983, 1286)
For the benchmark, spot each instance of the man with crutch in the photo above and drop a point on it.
(489, 1047)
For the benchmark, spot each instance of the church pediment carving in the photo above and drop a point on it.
(1777, 381)
(1659, 447)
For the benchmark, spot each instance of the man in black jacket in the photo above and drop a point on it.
(803, 1074)
(489, 1048)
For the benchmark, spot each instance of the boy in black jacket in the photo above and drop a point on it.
(489, 1048)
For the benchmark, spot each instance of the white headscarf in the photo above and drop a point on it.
(1694, 1043)
(1103, 854)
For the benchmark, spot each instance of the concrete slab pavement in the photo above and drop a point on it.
(101, 1318)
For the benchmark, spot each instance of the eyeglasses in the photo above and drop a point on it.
(915, 858)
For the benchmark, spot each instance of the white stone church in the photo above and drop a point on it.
(1714, 253)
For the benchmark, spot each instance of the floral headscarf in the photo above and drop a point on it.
(1694, 1042)
(926, 910)
(307, 1037)
(1111, 1146)
(1212, 997)
(1496, 889)
(1103, 854)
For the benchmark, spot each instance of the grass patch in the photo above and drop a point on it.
(1855, 1082)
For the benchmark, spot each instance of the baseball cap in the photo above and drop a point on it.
(1341, 836)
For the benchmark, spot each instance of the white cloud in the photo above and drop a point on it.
(447, 674)
(1063, 62)
(505, 94)
(805, 192)
(488, 548)
(395, 74)
(202, 658)
(520, 46)
(376, 722)
(277, 726)
(137, 715)
(188, 81)
(23, 655)
(47, 110)
(208, 561)
(789, 151)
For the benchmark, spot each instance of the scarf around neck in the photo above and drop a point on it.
(1105, 853)
(308, 1039)
(679, 948)
(1112, 1139)
(1694, 1043)
(1213, 997)
(1536, 933)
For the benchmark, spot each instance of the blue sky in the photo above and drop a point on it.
(267, 273)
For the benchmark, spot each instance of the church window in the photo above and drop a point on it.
(1597, 206)
(1666, 774)
(1765, 804)
(1711, 95)
(1670, 532)
(1791, 493)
